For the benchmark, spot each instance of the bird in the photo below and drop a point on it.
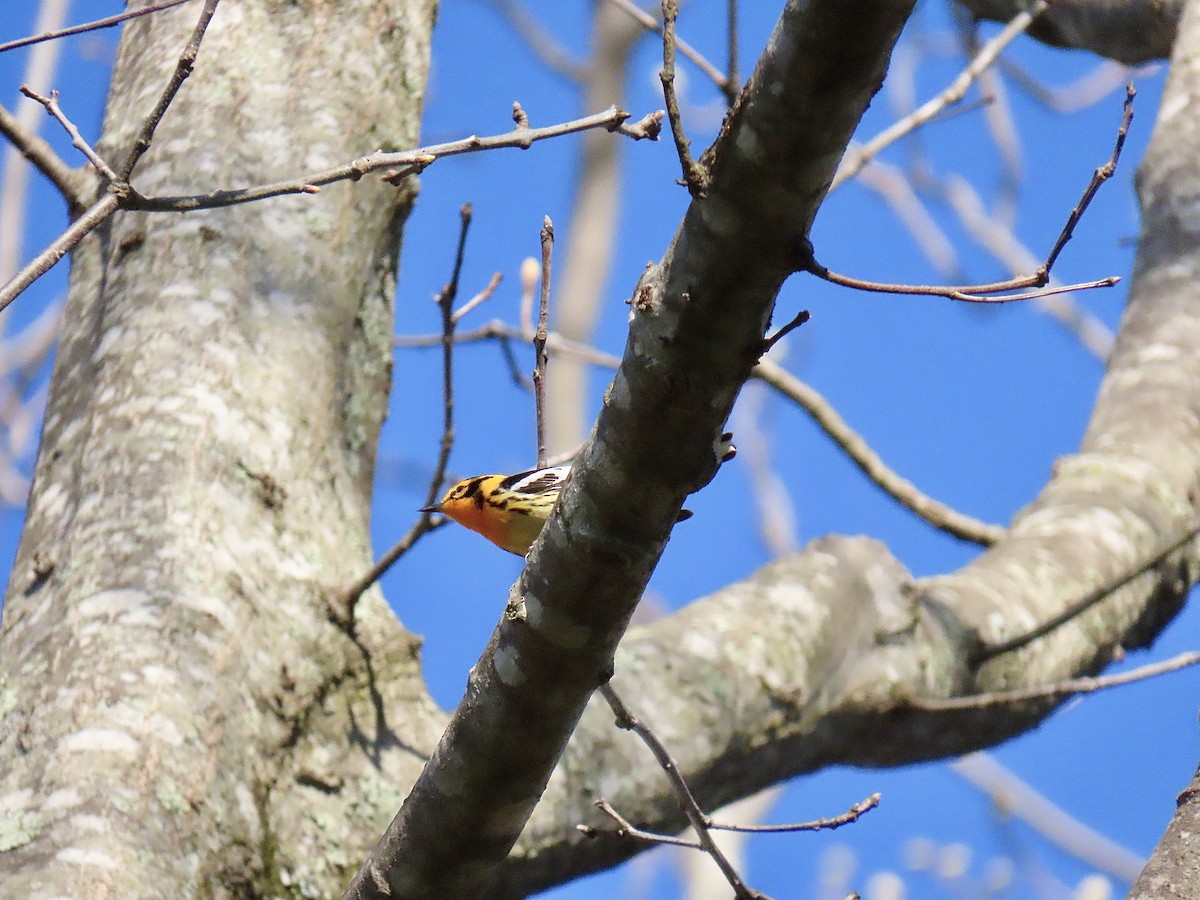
(510, 510)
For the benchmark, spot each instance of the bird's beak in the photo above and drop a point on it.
(437, 507)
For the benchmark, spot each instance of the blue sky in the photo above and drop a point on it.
(973, 405)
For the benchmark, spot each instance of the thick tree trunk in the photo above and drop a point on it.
(205, 475)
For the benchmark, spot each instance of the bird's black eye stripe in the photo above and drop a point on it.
(471, 488)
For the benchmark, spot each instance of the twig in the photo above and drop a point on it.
(77, 141)
(975, 293)
(539, 341)
(868, 461)
(851, 815)
(59, 247)
(694, 174)
(691, 809)
(1064, 688)
(712, 72)
(479, 298)
(497, 330)
(932, 511)
(1041, 276)
(647, 128)
(770, 341)
(414, 160)
(39, 152)
(999, 240)
(40, 65)
(854, 162)
(972, 293)
(94, 25)
(183, 68)
(733, 78)
(348, 599)
(401, 164)
(1101, 175)
(343, 612)
(119, 194)
(626, 829)
(1073, 610)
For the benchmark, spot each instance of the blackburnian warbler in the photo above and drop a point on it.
(510, 510)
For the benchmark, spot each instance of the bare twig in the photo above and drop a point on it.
(626, 829)
(59, 247)
(647, 128)
(854, 162)
(22, 128)
(733, 78)
(712, 72)
(691, 809)
(343, 609)
(119, 194)
(77, 141)
(539, 340)
(999, 240)
(853, 814)
(44, 159)
(855, 446)
(1082, 605)
(974, 293)
(413, 160)
(1065, 688)
(1101, 175)
(497, 330)
(771, 340)
(343, 612)
(479, 298)
(183, 68)
(694, 174)
(94, 25)
(400, 165)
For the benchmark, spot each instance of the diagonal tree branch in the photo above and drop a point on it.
(1128, 31)
(697, 324)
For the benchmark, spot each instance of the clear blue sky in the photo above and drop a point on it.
(973, 405)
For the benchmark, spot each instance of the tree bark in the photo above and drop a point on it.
(1127, 31)
(204, 482)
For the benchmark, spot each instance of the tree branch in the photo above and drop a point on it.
(94, 25)
(697, 323)
(1128, 32)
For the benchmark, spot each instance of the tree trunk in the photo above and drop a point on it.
(204, 481)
